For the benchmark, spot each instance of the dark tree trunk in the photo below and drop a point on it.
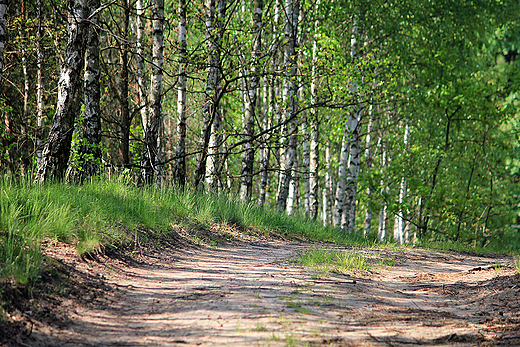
(56, 152)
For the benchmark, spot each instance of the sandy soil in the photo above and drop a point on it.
(251, 294)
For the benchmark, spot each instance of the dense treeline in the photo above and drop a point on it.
(393, 119)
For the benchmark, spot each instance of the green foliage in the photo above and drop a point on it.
(111, 212)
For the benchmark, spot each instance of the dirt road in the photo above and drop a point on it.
(251, 295)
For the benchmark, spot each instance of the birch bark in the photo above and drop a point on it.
(150, 162)
(213, 160)
(314, 129)
(214, 28)
(56, 152)
(382, 228)
(349, 211)
(305, 163)
(3, 28)
(179, 167)
(39, 97)
(327, 190)
(368, 161)
(248, 156)
(90, 150)
(123, 88)
(342, 175)
(292, 8)
(265, 150)
(139, 57)
(400, 224)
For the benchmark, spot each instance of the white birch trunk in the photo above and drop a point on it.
(139, 57)
(151, 150)
(368, 161)
(289, 101)
(382, 229)
(179, 166)
(342, 175)
(327, 191)
(39, 87)
(349, 211)
(212, 163)
(55, 155)
(305, 164)
(314, 125)
(211, 96)
(123, 86)
(90, 149)
(400, 222)
(266, 150)
(248, 156)
(3, 28)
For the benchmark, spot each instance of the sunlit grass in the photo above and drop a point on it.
(341, 261)
(112, 211)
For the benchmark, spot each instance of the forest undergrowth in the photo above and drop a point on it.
(116, 214)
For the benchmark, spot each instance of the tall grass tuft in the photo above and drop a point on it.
(109, 211)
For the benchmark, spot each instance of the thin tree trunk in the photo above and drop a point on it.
(91, 145)
(400, 225)
(213, 159)
(342, 175)
(292, 196)
(327, 190)
(382, 230)
(290, 101)
(266, 148)
(56, 152)
(179, 168)
(39, 98)
(305, 163)
(314, 125)
(3, 28)
(349, 210)
(123, 89)
(368, 161)
(212, 94)
(139, 57)
(152, 171)
(248, 156)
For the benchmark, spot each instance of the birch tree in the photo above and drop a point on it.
(400, 222)
(90, 147)
(265, 150)
(339, 203)
(214, 27)
(314, 129)
(39, 86)
(123, 86)
(349, 210)
(56, 152)
(248, 156)
(327, 189)
(179, 167)
(3, 13)
(139, 58)
(292, 9)
(368, 166)
(150, 161)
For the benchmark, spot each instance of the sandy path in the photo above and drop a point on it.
(251, 296)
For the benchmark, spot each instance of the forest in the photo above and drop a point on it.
(394, 120)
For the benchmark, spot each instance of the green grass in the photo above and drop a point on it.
(343, 262)
(114, 212)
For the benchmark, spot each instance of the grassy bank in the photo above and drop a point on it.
(108, 212)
